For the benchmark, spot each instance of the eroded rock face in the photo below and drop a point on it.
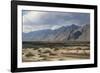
(63, 34)
(52, 54)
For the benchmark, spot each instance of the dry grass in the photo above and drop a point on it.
(55, 54)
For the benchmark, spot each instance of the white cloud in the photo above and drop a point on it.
(39, 20)
(55, 27)
(28, 28)
(31, 16)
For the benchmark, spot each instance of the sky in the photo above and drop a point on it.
(40, 20)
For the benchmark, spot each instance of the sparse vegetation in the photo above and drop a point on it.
(29, 54)
(55, 53)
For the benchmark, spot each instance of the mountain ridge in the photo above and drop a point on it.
(62, 34)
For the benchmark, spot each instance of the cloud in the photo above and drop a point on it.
(55, 27)
(31, 17)
(37, 17)
(28, 28)
(38, 20)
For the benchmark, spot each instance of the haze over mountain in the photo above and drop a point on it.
(63, 34)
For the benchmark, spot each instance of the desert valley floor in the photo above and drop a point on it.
(55, 53)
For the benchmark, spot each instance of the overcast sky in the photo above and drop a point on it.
(39, 20)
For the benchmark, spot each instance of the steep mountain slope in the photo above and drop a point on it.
(85, 36)
(63, 34)
(81, 34)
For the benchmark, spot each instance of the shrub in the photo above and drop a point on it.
(29, 54)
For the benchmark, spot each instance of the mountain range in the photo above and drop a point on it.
(62, 34)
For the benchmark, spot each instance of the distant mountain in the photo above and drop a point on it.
(81, 34)
(85, 36)
(36, 35)
(63, 34)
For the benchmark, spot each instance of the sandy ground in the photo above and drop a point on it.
(55, 54)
